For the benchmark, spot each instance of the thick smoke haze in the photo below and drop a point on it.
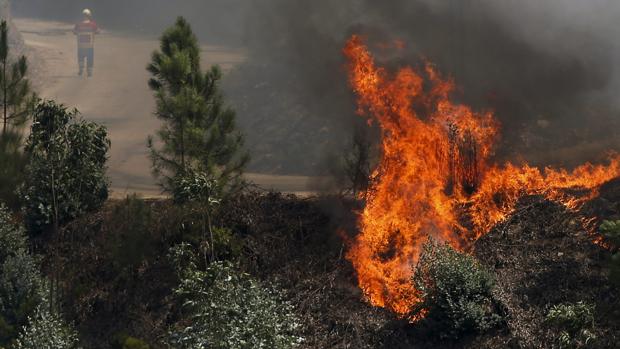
(548, 68)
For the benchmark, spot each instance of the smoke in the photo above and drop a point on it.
(216, 21)
(525, 51)
(295, 78)
(547, 68)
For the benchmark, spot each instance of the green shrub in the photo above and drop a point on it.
(12, 238)
(46, 330)
(123, 341)
(134, 343)
(227, 245)
(455, 291)
(611, 231)
(572, 324)
(24, 316)
(200, 195)
(22, 286)
(227, 309)
(65, 175)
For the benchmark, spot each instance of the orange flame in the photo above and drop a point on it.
(435, 167)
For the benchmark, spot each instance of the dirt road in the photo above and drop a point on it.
(118, 96)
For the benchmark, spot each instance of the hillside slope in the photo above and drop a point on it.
(543, 257)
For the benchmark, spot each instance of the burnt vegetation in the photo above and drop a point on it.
(222, 264)
(117, 282)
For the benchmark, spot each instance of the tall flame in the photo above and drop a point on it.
(435, 169)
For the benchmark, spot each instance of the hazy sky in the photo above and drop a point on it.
(526, 59)
(215, 20)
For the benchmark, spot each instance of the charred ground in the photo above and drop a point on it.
(541, 256)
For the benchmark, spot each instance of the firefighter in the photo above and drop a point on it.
(85, 32)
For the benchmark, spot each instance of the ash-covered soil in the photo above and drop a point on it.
(541, 256)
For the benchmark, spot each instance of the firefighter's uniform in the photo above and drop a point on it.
(85, 32)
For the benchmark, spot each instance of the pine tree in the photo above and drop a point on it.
(199, 133)
(17, 103)
(15, 91)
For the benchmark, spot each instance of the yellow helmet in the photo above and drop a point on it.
(87, 13)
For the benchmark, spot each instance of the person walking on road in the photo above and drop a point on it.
(85, 32)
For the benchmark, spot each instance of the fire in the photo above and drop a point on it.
(435, 170)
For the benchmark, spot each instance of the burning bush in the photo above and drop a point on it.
(455, 292)
(437, 175)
